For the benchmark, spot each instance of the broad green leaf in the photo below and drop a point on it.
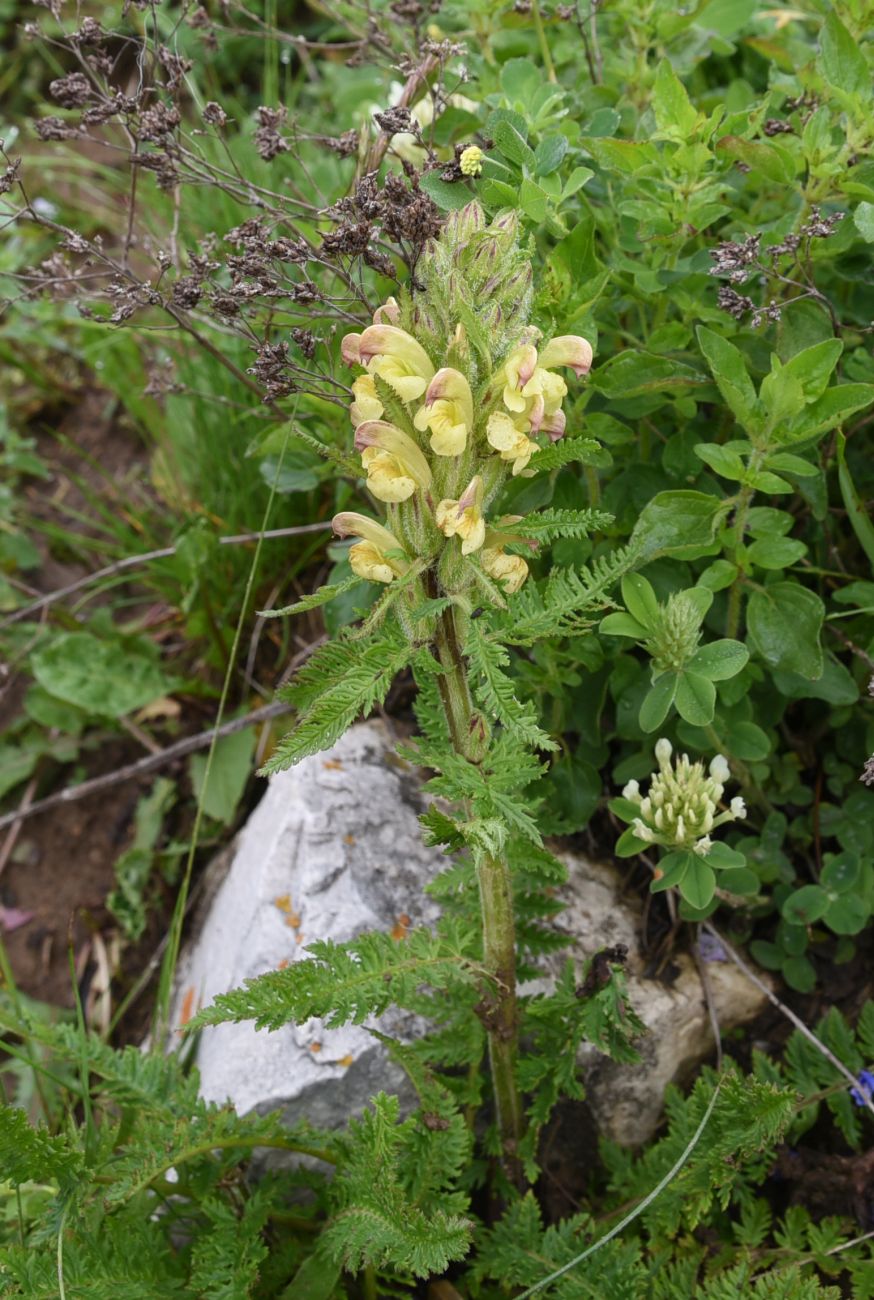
(768, 159)
(722, 857)
(847, 914)
(835, 405)
(739, 880)
(633, 374)
(786, 463)
(674, 113)
(520, 79)
(699, 882)
(724, 460)
(799, 974)
(812, 368)
(775, 552)
(99, 676)
(657, 702)
(673, 868)
(841, 60)
(695, 699)
(805, 905)
(533, 201)
(549, 154)
(640, 599)
(718, 575)
(451, 196)
(230, 770)
(864, 221)
(513, 145)
(841, 873)
(679, 524)
(784, 622)
(730, 372)
(719, 660)
(622, 624)
(857, 512)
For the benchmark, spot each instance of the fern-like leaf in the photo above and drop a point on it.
(546, 525)
(340, 682)
(347, 982)
(497, 693)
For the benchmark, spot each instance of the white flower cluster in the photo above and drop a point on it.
(682, 806)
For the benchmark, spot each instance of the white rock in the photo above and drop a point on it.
(334, 849)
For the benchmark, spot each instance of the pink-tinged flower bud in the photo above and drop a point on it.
(554, 425)
(518, 369)
(378, 556)
(350, 350)
(395, 465)
(388, 314)
(464, 518)
(447, 412)
(398, 358)
(568, 350)
(510, 570)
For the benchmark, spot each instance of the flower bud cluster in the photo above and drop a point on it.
(675, 634)
(682, 806)
(454, 392)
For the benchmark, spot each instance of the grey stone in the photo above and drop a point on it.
(334, 849)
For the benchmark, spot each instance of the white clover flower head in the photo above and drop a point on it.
(682, 805)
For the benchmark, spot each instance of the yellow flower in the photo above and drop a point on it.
(513, 443)
(518, 369)
(396, 357)
(379, 556)
(464, 518)
(568, 350)
(366, 405)
(395, 465)
(447, 412)
(471, 160)
(510, 570)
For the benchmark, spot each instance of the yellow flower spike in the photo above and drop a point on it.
(377, 556)
(511, 441)
(518, 369)
(366, 405)
(447, 412)
(510, 570)
(470, 161)
(568, 350)
(395, 465)
(396, 357)
(464, 518)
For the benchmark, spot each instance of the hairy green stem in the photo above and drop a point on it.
(499, 1013)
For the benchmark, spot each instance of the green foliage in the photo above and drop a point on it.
(342, 680)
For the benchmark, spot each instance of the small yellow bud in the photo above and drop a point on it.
(471, 160)
(510, 570)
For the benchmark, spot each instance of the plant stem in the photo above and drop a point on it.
(732, 622)
(499, 1014)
